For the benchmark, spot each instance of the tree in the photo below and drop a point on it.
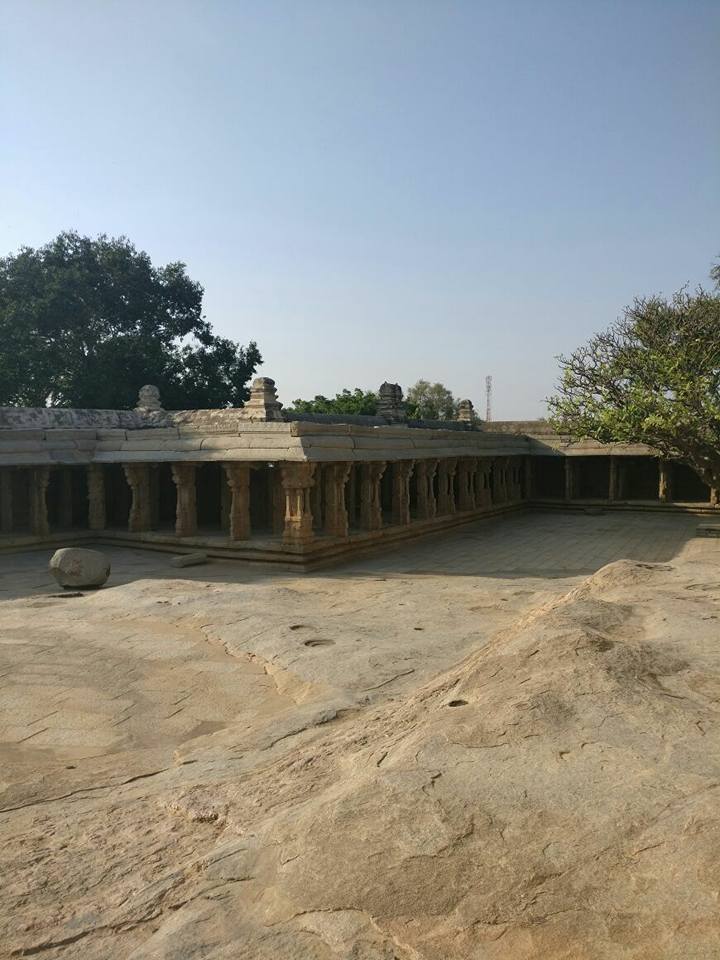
(355, 401)
(86, 322)
(653, 377)
(430, 401)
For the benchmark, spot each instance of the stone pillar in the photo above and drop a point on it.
(297, 480)
(183, 475)
(138, 478)
(620, 479)
(39, 479)
(278, 502)
(66, 499)
(483, 494)
(225, 502)
(467, 468)
(370, 501)
(154, 496)
(316, 498)
(351, 496)
(401, 471)
(497, 489)
(335, 476)
(6, 504)
(569, 479)
(446, 488)
(529, 479)
(237, 476)
(714, 497)
(613, 480)
(424, 476)
(664, 481)
(96, 496)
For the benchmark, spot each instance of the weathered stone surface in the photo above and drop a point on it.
(76, 567)
(708, 530)
(467, 751)
(189, 559)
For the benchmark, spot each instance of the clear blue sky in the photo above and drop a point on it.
(378, 189)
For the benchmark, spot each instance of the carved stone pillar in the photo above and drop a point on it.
(238, 482)
(316, 498)
(65, 517)
(466, 470)
(6, 504)
(569, 479)
(401, 471)
(138, 478)
(483, 495)
(371, 475)
(446, 486)
(424, 477)
(96, 496)
(297, 480)
(183, 475)
(664, 481)
(39, 479)
(335, 476)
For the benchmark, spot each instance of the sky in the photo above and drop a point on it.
(378, 189)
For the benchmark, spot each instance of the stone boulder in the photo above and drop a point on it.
(73, 567)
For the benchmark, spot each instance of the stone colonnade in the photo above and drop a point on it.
(306, 499)
(616, 480)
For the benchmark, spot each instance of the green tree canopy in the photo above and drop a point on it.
(86, 322)
(430, 401)
(355, 401)
(653, 377)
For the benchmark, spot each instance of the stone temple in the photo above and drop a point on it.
(256, 483)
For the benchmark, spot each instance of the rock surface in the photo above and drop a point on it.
(545, 791)
(75, 567)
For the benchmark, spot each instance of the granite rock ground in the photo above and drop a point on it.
(499, 743)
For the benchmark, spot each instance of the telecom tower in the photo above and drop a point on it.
(488, 398)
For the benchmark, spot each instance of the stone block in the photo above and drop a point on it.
(189, 559)
(75, 567)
